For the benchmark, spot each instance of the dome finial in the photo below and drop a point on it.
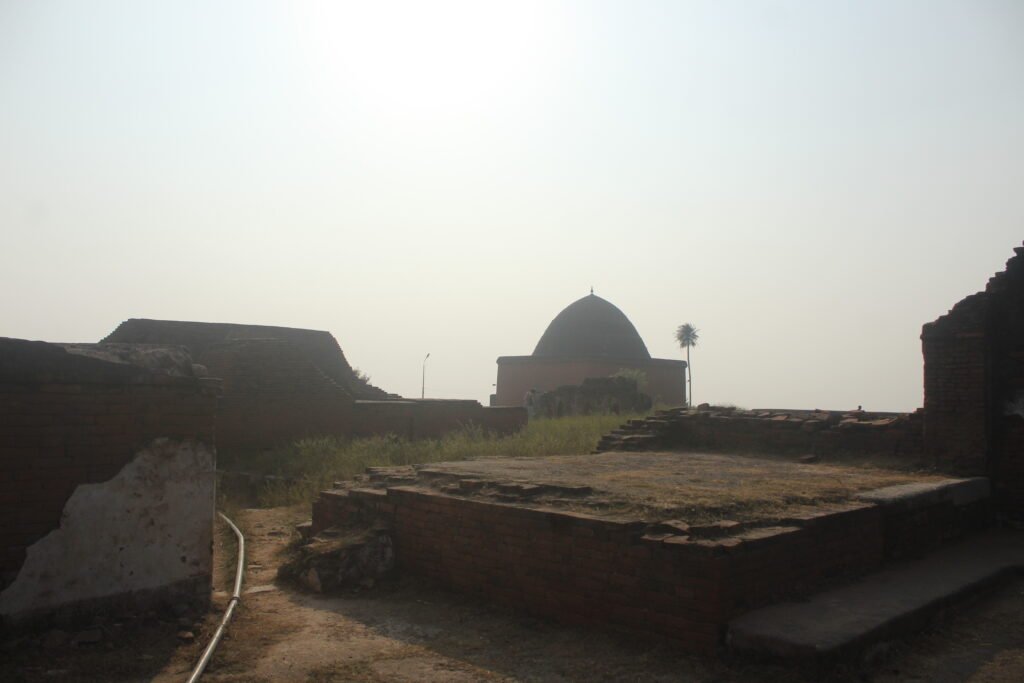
(591, 290)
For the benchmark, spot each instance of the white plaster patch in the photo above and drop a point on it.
(149, 526)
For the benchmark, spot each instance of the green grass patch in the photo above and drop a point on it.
(312, 464)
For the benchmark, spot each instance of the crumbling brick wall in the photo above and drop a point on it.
(798, 433)
(958, 386)
(80, 436)
(790, 432)
(433, 418)
(317, 347)
(974, 385)
(282, 384)
(273, 395)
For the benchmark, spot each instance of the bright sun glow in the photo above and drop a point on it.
(427, 59)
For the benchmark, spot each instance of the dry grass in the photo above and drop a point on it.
(695, 487)
(310, 465)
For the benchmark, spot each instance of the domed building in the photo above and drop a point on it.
(589, 338)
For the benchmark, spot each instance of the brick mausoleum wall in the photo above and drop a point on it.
(518, 374)
(596, 395)
(974, 385)
(66, 421)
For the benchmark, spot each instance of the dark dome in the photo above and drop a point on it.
(589, 328)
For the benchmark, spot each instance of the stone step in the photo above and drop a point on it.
(888, 603)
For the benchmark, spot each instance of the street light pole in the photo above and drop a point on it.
(423, 385)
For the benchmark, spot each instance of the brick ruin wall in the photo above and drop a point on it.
(790, 432)
(292, 383)
(580, 569)
(433, 418)
(318, 347)
(274, 395)
(972, 422)
(108, 486)
(974, 385)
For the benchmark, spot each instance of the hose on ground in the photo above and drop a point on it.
(235, 598)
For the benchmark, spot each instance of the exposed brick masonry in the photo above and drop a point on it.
(794, 432)
(974, 385)
(273, 395)
(283, 384)
(682, 583)
(66, 420)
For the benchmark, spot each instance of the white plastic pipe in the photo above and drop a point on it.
(235, 598)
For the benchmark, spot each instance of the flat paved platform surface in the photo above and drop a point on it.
(693, 487)
(880, 605)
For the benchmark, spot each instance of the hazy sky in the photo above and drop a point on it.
(806, 182)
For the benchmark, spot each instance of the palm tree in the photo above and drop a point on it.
(686, 335)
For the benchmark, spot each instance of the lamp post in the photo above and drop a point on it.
(423, 384)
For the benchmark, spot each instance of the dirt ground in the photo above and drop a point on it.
(407, 630)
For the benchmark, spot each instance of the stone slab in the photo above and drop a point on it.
(881, 605)
(921, 494)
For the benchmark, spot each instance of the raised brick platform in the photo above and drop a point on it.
(660, 543)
